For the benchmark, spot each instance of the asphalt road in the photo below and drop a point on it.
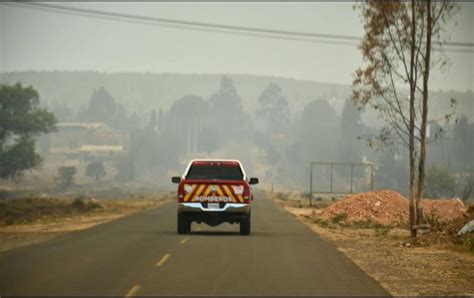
(142, 255)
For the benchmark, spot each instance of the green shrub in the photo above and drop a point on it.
(81, 196)
(65, 177)
(95, 170)
(467, 189)
(9, 220)
(470, 242)
(434, 222)
(339, 217)
(439, 182)
(282, 196)
(92, 205)
(320, 222)
(79, 204)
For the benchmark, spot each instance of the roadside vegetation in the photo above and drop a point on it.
(32, 219)
(44, 210)
(30, 210)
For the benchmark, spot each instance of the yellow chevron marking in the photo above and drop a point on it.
(208, 191)
(229, 193)
(205, 190)
(219, 191)
(198, 192)
(186, 197)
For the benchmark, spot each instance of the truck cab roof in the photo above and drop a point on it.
(209, 161)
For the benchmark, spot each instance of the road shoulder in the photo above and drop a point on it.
(389, 258)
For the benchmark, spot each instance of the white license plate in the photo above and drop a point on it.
(212, 206)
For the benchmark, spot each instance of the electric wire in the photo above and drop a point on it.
(459, 47)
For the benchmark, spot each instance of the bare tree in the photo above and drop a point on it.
(437, 14)
(394, 49)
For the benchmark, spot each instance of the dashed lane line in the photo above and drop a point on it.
(163, 260)
(133, 291)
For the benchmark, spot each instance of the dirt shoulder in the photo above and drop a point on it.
(28, 221)
(401, 266)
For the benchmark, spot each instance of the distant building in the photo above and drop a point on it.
(100, 152)
(86, 141)
(66, 152)
(63, 126)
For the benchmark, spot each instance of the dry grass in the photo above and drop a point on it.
(405, 270)
(399, 264)
(28, 221)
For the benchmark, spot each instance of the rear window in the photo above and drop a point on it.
(215, 172)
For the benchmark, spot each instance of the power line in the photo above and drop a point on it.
(218, 28)
(139, 20)
(197, 24)
(181, 26)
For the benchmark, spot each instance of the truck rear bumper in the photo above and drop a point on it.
(227, 208)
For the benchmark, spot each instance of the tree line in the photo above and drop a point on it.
(288, 141)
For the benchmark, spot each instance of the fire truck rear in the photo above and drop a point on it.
(214, 192)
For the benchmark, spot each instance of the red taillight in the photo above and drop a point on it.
(247, 193)
(180, 192)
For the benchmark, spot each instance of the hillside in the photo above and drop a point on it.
(142, 92)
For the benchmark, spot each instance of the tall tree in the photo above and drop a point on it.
(437, 14)
(274, 109)
(351, 131)
(21, 120)
(316, 134)
(102, 106)
(389, 48)
(462, 145)
(186, 119)
(225, 106)
(394, 47)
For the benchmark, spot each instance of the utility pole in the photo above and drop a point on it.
(188, 140)
(310, 183)
(195, 128)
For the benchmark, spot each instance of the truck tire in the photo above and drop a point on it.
(245, 226)
(184, 225)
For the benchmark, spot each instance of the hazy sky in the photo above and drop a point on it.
(38, 40)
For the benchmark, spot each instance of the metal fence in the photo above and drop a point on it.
(327, 183)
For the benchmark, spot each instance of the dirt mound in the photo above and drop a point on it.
(387, 207)
(447, 232)
(384, 207)
(446, 210)
(453, 226)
